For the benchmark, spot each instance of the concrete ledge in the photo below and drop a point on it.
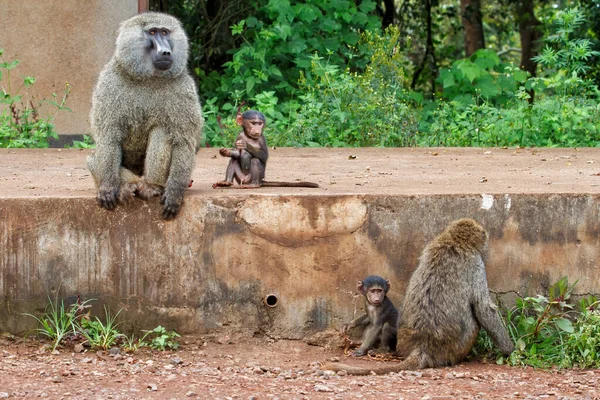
(228, 249)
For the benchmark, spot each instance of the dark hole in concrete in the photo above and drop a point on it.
(271, 300)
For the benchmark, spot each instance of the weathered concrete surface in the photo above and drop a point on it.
(228, 249)
(59, 41)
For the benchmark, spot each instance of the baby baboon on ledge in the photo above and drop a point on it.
(446, 302)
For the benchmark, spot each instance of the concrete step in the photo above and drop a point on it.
(231, 254)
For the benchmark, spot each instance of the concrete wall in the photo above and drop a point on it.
(59, 41)
(214, 264)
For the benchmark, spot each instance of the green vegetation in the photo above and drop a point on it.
(58, 322)
(550, 332)
(21, 124)
(359, 92)
(74, 324)
(327, 73)
(161, 339)
(98, 334)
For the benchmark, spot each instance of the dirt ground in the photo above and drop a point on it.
(237, 367)
(368, 171)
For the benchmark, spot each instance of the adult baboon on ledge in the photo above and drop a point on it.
(146, 118)
(446, 302)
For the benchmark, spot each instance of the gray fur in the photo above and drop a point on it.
(147, 123)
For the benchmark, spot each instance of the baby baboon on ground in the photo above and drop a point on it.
(446, 303)
(380, 319)
(146, 119)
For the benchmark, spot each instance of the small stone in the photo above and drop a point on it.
(342, 373)
(3, 395)
(323, 388)
(258, 370)
(190, 394)
(56, 379)
(113, 351)
(153, 387)
(176, 361)
(86, 360)
(55, 352)
(78, 348)
(170, 377)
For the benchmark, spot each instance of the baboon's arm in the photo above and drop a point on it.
(486, 311)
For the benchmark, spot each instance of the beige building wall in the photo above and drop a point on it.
(59, 41)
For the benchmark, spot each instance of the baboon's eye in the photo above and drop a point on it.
(164, 32)
(152, 32)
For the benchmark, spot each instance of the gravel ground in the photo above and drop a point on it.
(219, 367)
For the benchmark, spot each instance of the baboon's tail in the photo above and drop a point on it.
(289, 184)
(411, 363)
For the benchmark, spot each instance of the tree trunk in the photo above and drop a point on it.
(389, 14)
(528, 29)
(473, 25)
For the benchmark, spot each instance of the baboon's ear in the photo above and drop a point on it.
(359, 287)
(239, 119)
(387, 285)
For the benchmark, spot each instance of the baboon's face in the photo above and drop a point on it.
(375, 295)
(152, 45)
(159, 45)
(253, 127)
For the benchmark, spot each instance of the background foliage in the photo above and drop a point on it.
(327, 73)
(376, 73)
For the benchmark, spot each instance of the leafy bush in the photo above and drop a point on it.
(161, 339)
(345, 108)
(20, 122)
(483, 107)
(280, 39)
(59, 321)
(98, 334)
(549, 332)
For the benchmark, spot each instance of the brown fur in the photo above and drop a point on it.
(446, 303)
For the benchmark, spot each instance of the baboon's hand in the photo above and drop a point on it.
(359, 352)
(107, 197)
(345, 328)
(225, 152)
(171, 201)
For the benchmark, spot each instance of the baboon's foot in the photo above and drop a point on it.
(147, 190)
(127, 193)
(222, 184)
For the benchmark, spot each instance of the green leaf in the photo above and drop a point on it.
(520, 76)
(237, 29)
(251, 22)
(564, 325)
(487, 87)
(470, 70)
(486, 59)
(28, 81)
(250, 84)
(447, 78)
(307, 12)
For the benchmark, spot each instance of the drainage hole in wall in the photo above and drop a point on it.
(271, 300)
